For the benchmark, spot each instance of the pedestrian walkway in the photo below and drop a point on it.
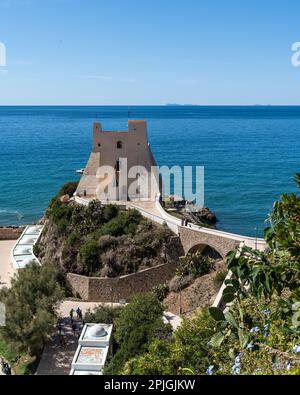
(56, 360)
(6, 270)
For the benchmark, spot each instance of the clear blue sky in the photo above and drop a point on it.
(149, 51)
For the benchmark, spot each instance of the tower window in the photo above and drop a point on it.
(119, 144)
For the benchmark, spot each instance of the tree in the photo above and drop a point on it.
(143, 310)
(136, 325)
(30, 307)
(187, 352)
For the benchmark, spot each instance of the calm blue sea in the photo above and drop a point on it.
(250, 154)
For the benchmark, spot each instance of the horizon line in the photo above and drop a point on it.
(150, 105)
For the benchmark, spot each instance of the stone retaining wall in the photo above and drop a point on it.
(10, 233)
(99, 289)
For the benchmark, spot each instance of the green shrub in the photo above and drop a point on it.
(60, 213)
(186, 352)
(220, 277)
(89, 256)
(124, 223)
(195, 264)
(37, 249)
(136, 325)
(102, 314)
(110, 212)
(72, 239)
(161, 291)
(68, 189)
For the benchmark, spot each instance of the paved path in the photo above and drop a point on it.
(56, 360)
(66, 306)
(6, 270)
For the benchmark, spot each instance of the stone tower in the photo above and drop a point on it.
(122, 160)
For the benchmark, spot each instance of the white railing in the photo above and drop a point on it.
(174, 223)
(253, 242)
(29, 257)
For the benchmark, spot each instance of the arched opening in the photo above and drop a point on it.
(206, 250)
(119, 144)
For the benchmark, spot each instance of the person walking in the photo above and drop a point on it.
(64, 341)
(7, 369)
(79, 313)
(71, 315)
(59, 327)
(60, 341)
(74, 328)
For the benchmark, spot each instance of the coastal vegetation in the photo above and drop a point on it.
(197, 280)
(135, 326)
(30, 314)
(98, 240)
(259, 332)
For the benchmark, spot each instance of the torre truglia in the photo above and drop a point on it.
(121, 166)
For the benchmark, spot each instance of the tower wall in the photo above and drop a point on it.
(109, 147)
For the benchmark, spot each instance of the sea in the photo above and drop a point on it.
(250, 154)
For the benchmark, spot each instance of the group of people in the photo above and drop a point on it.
(185, 222)
(74, 326)
(6, 370)
(78, 312)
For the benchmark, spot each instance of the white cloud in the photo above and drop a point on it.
(2, 55)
